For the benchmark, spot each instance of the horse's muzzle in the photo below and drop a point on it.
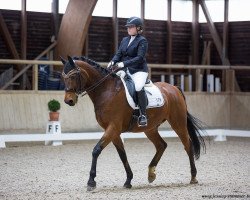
(69, 102)
(70, 99)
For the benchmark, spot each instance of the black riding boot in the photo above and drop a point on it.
(142, 103)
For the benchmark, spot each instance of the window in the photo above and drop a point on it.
(129, 8)
(215, 9)
(156, 9)
(182, 11)
(103, 8)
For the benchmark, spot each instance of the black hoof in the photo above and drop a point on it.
(127, 185)
(91, 185)
(193, 181)
(90, 188)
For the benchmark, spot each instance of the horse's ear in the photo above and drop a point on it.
(63, 60)
(71, 61)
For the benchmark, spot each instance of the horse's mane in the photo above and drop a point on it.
(94, 64)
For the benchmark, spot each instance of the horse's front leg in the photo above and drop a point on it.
(104, 141)
(121, 151)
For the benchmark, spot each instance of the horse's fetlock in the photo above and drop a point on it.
(130, 176)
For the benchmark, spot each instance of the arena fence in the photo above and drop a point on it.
(188, 77)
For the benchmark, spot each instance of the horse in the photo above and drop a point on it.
(82, 76)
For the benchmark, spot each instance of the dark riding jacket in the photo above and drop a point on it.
(134, 55)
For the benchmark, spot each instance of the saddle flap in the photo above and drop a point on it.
(154, 96)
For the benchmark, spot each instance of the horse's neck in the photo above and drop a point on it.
(94, 82)
(105, 91)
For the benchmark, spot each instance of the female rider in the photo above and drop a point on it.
(131, 57)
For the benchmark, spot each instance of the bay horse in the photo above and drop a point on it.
(113, 113)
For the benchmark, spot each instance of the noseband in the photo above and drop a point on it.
(82, 91)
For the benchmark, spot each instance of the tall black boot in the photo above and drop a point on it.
(142, 103)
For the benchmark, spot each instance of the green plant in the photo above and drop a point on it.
(54, 105)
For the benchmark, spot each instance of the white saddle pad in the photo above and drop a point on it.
(155, 98)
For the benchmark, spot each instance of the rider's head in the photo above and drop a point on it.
(135, 22)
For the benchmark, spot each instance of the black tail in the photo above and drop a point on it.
(194, 126)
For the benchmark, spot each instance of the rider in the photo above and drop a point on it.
(131, 57)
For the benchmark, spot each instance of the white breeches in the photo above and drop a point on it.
(139, 79)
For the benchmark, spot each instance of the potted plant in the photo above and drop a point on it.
(54, 106)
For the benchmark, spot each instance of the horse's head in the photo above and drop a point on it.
(74, 81)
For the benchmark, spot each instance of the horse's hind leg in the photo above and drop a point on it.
(121, 151)
(186, 141)
(160, 145)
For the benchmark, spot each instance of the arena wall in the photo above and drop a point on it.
(26, 111)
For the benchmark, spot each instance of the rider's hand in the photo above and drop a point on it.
(121, 73)
(120, 65)
(111, 63)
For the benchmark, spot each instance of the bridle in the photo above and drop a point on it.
(76, 71)
(82, 91)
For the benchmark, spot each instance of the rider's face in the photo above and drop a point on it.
(132, 30)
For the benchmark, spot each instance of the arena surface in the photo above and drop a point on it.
(47, 172)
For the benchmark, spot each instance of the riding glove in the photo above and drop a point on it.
(120, 65)
(121, 73)
(111, 63)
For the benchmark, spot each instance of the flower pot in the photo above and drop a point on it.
(53, 116)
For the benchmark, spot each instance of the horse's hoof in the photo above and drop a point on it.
(151, 174)
(90, 188)
(91, 185)
(127, 185)
(193, 181)
(151, 177)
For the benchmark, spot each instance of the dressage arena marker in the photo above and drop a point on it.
(53, 127)
(55, 137)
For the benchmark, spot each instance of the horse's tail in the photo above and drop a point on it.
(194, 127)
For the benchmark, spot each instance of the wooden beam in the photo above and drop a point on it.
(225, 60)
(55, 18)
(142, 10)
(115, 26)
(169, 36)
(85, 51)
(195, 33)
(213, 31)
(25, 83)
(23, 31)
(74, 27)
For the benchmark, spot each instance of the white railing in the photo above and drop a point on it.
(56, 139)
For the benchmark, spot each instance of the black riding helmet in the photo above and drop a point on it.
(134, 21)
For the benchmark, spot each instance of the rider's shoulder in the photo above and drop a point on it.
(125, 38)
(142, 37)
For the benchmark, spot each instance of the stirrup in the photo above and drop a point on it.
(142, 121)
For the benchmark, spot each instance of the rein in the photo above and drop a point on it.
(90, 88)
